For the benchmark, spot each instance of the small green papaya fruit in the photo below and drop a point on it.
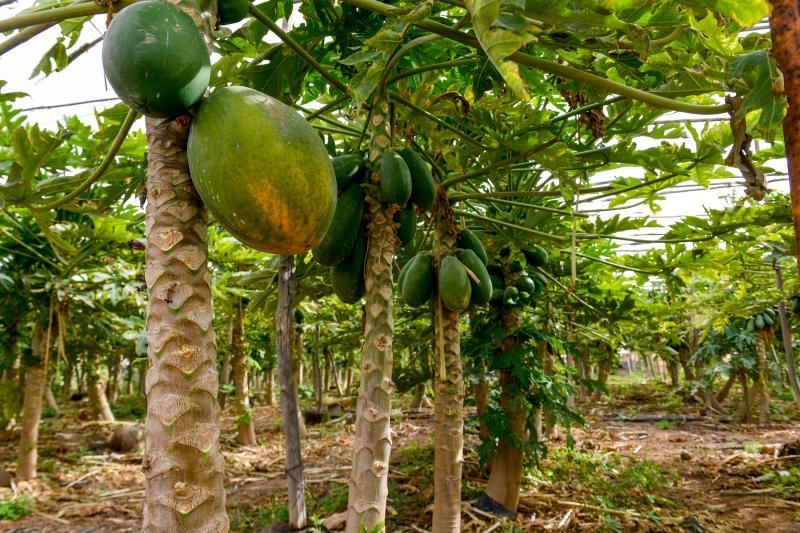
(395, 179)
(482, 289)
(469, 241)
(338, 242)
(423, 188)
(526, 284)
(347, 277)
(510, 295)
(418, 281)
(348, 168)
(497, 296)
(407, 219)
(454, 285)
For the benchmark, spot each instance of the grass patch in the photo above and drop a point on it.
(15, 508)
(786, 482)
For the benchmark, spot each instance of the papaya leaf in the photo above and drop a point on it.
(501, 30)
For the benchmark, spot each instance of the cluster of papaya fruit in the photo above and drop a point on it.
(405, 180)
(463, 279)
(526, 285)
(765, 319)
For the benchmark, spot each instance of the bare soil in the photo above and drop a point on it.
(714, 475)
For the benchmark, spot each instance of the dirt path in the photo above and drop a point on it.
(694, 476)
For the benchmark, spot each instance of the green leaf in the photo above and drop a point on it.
(501, 31)
(746, 13)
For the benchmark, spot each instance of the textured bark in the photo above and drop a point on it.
(334, 372)
(289, 406)
(297, 349)
(183, 465)
(372, 443)
(726, 388)
(448, 405)
(269, 393)
(317, 369)
(33, 399)
(784, 21)
(245, 429)
(674, 374)
(98, 399)
(506, 477)
(762, 385)
(786, 336)
(746, 408)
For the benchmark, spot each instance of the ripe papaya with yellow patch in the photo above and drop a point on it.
(395, 179)
(341, 235)
(454, 285)
(423, 188)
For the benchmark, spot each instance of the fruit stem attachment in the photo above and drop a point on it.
(124, 128)
(550, 67)
(84, 9)
(294, 45)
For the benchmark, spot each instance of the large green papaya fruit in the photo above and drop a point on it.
(469, 241)
(497, 281)
(540, 281)
(262, 170)
(232, 11)
(423, 188)
(347, 277)
(482, 290)
(395, 179)
(408, 225)
(155, 59)
(454, 285)
(348, 168)
(418, 281)
(768, 320)
(759, 322)
(343, 231)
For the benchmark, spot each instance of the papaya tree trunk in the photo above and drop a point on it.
(372, 443)
(297, 373)
(746, 409)
(269, 387)
(32, 401)
(334, 372)
(482, 409)
(183, 465)
(317, 369)
(674, 373)
(448, 405)
(726, 388)
(786, 336)
(98, 399)
(289, 407)
(114, 369)
(762, 385)
(245, 429)
(502, 489)
(66, 387)
(50, 398)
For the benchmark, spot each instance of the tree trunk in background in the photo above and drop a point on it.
(746, 409)
(114, 369)
(183, 465)
(245, 428)
(33, 398)
(326, 371)
(98, 399)
(674, 373)
(50, 398)
(603, 370)
(297, 354)
(317, 369)
(786, 336)
(372, 443)
(269, 392)
(225, 377)
(726, 388)
(502, 490)
(761, 388)
(289, 408)
(334, 372)
(66, 386)
(482, 408)
(784, 22)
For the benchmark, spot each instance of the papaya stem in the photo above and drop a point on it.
(23, 36)
(562, 286)
(537, 194)
(486, 170)
(58, 14)
(124, 128)
(528, 206)
(565, 71)
(611, 263)
(433, 66)
(294, 45)
(510, 225)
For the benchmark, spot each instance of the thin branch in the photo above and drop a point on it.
(456, 197)
(58, 14)
(23, 36)
(294, 45)
(432, 66)
(500, 164)
(71, 104)
(523, 229)
(564, 287)
(124, 128)
(611, 263)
